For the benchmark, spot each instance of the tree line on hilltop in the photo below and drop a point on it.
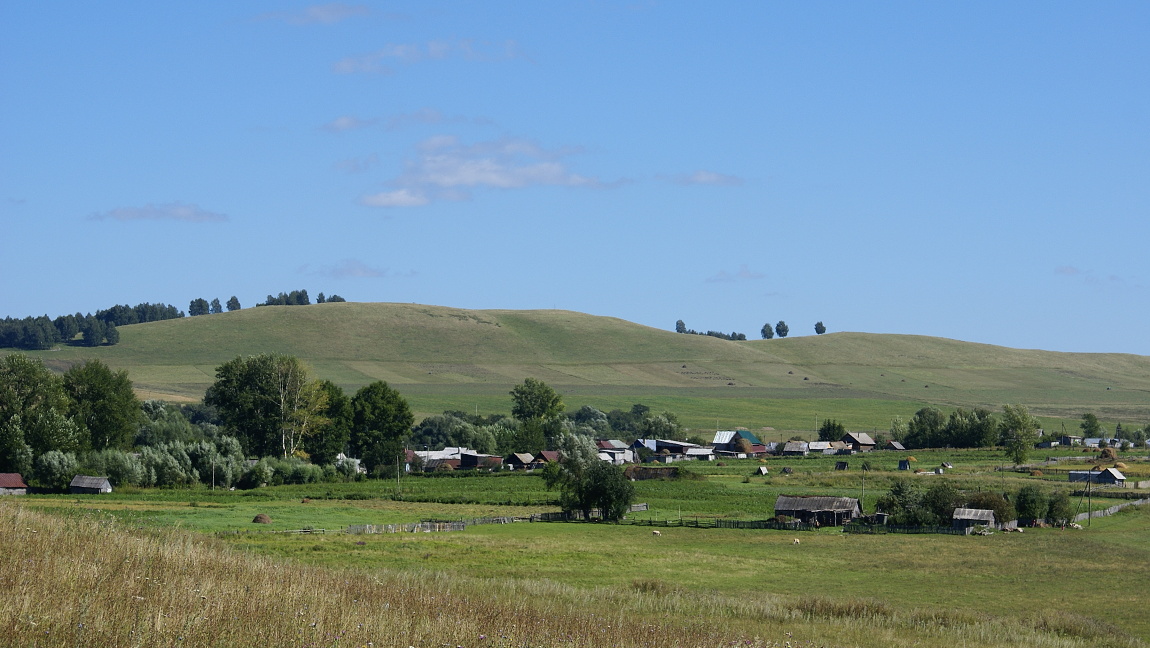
(768, 331)
(42, 332)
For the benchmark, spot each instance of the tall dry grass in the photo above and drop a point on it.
(90, 581)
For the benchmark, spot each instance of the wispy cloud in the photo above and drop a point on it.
(347, 123)
(431, 116)
(1091, 278)
(358, 165)
(706, 178)
(744, 273)
(444, 168)
(321, 14)
(397, 198)
(169, 211)
(377, 62)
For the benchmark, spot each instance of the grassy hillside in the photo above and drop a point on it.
(446, 358)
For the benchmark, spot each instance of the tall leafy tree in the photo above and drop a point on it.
(925, 429)
(680, 326)
(535, 400)
(245, 395)
(233, 304)
(1091, 428)
(34, 406)
(1019, 432)
(781, 329)
(819, 328)
(215, 306)
(268, 402)
(102, 400)
(199, 306)
(768, 331)
(331, 436)
(381, 420)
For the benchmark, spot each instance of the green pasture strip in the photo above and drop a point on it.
(1004, 574)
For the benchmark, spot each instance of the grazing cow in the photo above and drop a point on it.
(656, 532)
(796, 541)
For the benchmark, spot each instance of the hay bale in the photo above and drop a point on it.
(1035, 473)
(1120, 466)
(262, 518)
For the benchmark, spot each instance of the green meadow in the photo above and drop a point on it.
(443, 358)
(1084, 587)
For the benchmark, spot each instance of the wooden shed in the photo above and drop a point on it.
(12, 484)
(827, 511)
(966, 518)
(85, 485)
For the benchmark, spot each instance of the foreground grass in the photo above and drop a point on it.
(92, 581)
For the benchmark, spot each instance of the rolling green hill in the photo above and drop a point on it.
(447, 358)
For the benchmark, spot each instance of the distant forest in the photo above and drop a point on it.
(43, 332)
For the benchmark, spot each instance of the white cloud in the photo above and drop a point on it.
(397, 198)
(169, 211)
(742, 274)
(347, 123)
(322, 14)
(408, 53)
(707, 178)
(431, 116)
(445, 169)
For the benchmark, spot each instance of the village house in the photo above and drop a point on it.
(796, 449)
(894, 445)
(85, 485)
(1109, 476)
(519, 461)
(12, 484)
(615, 452)
(739, 444)
(824, 510)
(859, 441)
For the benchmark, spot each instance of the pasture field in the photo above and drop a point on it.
(1042, 587)
(90, 580)
(443, 358)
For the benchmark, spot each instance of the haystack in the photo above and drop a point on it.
(262, 518)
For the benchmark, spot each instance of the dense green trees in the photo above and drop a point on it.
(585, 483)
(768, 331)
(930, 428)
(831, 430)
(781, 329)
(102, 400)
(819, 328)
(199, 306)
(233, 304)
(1090, 426)
(381, 421)
(269, 402)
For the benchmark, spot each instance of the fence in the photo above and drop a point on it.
(417, 527)
(1109, 511)
(880, 529)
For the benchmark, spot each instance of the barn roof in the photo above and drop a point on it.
(795, 446)
(84, 481)
(12, 480)
(815, 503)
(723, 437)
(862, 438)
(979, 515)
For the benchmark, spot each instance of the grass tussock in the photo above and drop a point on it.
(91, 580)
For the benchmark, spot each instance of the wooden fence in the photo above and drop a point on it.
(1109, 511)
(880, 529)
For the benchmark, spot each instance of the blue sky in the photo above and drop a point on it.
(977, 171)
